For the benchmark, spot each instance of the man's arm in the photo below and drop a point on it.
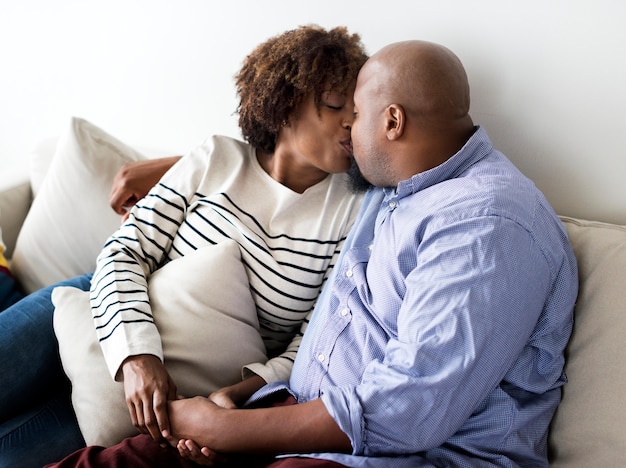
(134, 180)
(300, 428)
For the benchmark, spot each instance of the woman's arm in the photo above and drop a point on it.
(119, 293)
(236, 395)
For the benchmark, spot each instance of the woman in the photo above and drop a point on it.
(282, 196)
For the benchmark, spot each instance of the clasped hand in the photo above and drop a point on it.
(190, 416)
(156, 409)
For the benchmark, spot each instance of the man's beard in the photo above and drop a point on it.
(358, 183)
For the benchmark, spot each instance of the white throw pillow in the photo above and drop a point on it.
(70, 218)
(209, 328)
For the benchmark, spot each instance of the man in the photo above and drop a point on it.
(439, 338)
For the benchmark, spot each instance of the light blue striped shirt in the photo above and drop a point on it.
(439, 338)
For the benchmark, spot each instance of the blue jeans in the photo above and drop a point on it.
(37, 422)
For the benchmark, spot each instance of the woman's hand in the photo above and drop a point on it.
(148, 387)
(188, 449)
(235, 395)
(134, 180)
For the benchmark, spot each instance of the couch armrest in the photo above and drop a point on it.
(15, 200)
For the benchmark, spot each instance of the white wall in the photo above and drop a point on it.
(548, 76)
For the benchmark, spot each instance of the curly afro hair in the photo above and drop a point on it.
(280, 72)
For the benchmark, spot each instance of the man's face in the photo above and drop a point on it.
(368, 132)
(358, 183)
(360, 132)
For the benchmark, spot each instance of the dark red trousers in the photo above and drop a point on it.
(142, 451)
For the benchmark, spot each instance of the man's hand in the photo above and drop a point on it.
(187, 416)
(148, 387)
(227, 397)
(134, 180)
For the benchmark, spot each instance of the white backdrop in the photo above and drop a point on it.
(548, 77)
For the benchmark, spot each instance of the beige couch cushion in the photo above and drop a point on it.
(71, 208)
(589, 428)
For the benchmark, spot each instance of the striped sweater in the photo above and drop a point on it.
(288, 241)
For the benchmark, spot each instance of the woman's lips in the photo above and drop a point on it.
(347, 145)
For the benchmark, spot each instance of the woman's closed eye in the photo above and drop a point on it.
(334, 107)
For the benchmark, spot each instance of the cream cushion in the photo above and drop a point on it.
(589, 426)
(209, 329)
(70, 218)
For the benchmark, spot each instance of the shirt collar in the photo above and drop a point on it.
(476, 148)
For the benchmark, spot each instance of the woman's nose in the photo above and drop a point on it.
(347, 121)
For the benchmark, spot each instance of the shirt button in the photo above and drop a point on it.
(320, 357)
(344, 312)
(393, 204)
(349, 273)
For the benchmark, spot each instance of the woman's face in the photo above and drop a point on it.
(318, 139)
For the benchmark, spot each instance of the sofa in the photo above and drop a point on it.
(54, 216)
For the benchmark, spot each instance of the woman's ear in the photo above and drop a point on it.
(395, 121)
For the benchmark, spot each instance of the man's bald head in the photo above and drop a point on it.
(426, 78)
(412, 104)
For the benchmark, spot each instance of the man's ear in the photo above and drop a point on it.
(395, 121)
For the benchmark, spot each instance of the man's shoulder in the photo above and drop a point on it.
(491, 191)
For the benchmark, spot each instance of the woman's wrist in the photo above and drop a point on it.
(243, 390)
